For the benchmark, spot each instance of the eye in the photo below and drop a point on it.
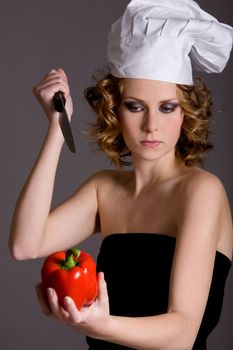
(134, 107)
(168, 107)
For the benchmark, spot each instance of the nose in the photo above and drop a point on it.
(150, 121)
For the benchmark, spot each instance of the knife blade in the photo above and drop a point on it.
(59, 104)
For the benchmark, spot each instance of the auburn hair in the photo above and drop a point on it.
(195, 101)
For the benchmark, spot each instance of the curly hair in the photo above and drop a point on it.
(195, 101)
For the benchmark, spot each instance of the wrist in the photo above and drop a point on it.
(105, 330)
(54, 133)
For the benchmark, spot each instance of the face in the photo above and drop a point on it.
(150, 118)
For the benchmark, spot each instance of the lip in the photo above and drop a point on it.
(150, 144)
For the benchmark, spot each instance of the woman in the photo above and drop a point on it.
(166, 225)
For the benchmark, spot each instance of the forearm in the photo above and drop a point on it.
(33, 205)
(166, 331)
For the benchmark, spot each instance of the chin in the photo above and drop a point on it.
(152, 155)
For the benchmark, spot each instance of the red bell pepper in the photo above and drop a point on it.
(73, 274)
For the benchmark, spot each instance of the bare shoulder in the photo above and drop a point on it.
(108, 177)
(204, 203)
(202, 184)
(204, 227)
(202, 190)
(101, 176)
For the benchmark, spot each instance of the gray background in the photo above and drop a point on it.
(36, 36)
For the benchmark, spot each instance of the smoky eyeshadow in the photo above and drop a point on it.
(132, 105)
(165, 107)
(168, 107)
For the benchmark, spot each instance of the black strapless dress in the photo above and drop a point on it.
(137, 269)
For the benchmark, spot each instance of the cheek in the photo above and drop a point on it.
(179, 123)
(128, 124)
(175, 126)
(124, 127)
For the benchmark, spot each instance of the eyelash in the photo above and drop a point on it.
(164, 108)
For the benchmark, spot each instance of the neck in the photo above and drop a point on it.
(147, 173)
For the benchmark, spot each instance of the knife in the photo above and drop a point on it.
(59, 104)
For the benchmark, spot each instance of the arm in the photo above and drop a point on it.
(199, 226)
(198, 232)
(36, 232)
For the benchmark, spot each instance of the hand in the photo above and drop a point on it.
(54, 81)
(90, 319)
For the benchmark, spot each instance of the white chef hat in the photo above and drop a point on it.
(163, 39)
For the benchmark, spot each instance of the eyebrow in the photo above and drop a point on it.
(142, 101)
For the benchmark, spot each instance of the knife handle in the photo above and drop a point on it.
(59, 101)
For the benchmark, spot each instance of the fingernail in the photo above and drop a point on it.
(101, 276)
(50, 291)
(68, 301)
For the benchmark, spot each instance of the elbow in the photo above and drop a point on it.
(187, 343)
(184, 343)
(185, 336)
(21, 248)
(190, 342)
(21, 253)
(17, 255)
(189, 346)
(189, 335)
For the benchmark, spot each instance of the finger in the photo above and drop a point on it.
(53, 85)
(73, 311)
(55, 74)
(52, 80)
(64, 313)
(60, 312)
(41, 298)
(50, 73)
(60, 70)
(53, 302)
(53, 71)
(53, 77)
(102, 292)
(46, 91)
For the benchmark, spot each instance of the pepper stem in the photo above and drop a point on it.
(71, 258)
